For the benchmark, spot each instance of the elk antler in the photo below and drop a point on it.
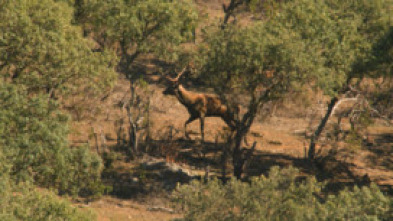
(176, 78)
(181, 73)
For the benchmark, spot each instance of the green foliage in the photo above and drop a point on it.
(360, 204)
(40, 49)
(317, 42)
(379, 65)
(80, 173)
(32, 130)
(33, 137)
(268, 8)
(240, 59)
(334, 36)
(148, 26)
(279, 197)
(381, 62)
(25, 202)
(246, 65)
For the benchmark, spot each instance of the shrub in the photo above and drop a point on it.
(279, 197)
(23, 201)
(33, 137)
(83, 174)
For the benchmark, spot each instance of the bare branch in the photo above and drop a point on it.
(376, 112)
(342, 101)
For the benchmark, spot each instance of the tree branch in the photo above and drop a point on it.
(229, 11)
(315, 137)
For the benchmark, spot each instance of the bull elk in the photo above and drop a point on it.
(200, 105)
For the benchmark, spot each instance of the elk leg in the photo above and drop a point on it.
(190, 119)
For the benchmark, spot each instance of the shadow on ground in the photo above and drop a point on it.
(382, 151)
(165, 163)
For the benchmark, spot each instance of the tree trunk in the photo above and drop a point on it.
(120, 139)
(229, 11)
(96, 139)
(224, 158)
(103, 141)
(79, 11)
(242, 128)
(133, 139)
(241, 158)
(237, 157)
(132, 132)
(317, 133)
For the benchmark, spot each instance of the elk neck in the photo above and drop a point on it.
(185, 97)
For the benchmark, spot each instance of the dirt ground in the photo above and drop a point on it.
(112, 209)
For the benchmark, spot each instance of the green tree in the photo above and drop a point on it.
(380, 65)
(22, 201)
(334, 36)
(380, 62)
(317, 43)
(248, 65)
(25, 202)
(33, 138)
(279, 196)
(139, 27)
(266, 8)
(42, 50)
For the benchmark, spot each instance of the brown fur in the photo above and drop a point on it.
(201, 105)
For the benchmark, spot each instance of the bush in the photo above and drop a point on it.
(25, 202)
(83, 173)
(279, 197)
(33, 137)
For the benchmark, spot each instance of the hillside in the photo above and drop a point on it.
(93, 110)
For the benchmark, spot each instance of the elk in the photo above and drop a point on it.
(200, 105)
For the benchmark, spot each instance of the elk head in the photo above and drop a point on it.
(173, 83)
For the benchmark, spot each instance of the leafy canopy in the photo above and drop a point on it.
(33, 139)
(335, 37)
(24, 202)
(40, 49)
(148, 26)
(319, 42)
(243, 59)
(279, 197)
(381, 61)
